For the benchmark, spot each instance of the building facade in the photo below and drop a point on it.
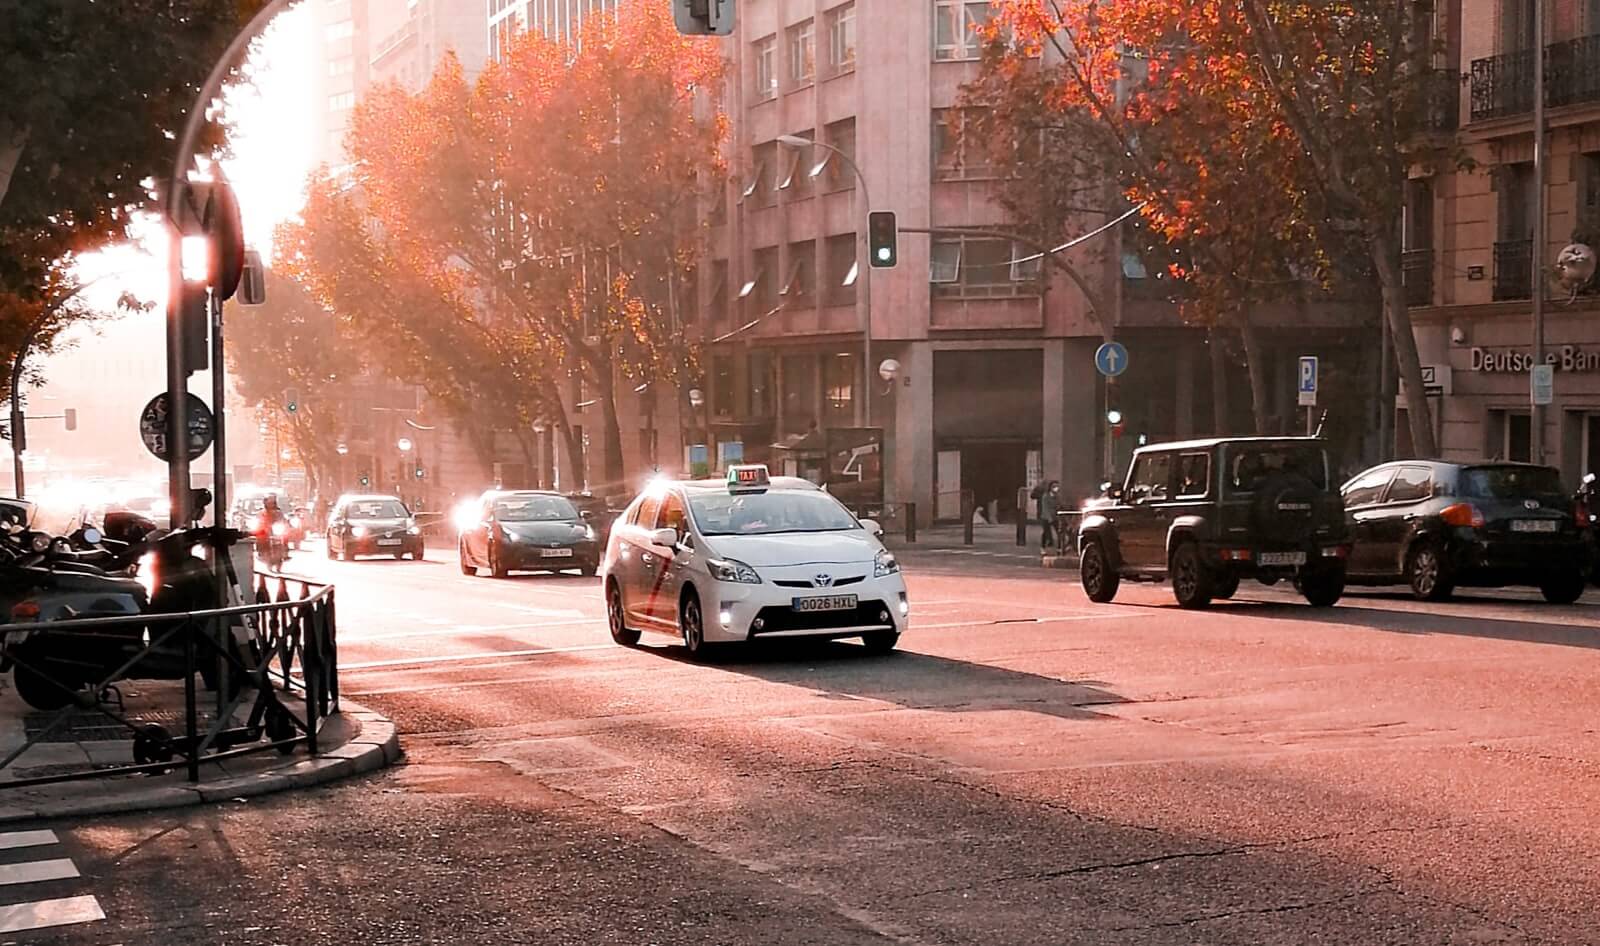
(1470, 235)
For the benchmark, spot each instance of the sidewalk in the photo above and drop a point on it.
(354, 741)
(988, 541)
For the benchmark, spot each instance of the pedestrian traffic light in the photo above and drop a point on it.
(291, 401)
(882, 236)
(70, 416)
(365, 481)
(1113, 417)
(419, 473)
(703, 17)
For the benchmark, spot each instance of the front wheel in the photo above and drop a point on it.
(497, 566)
(880, 642)
(1099, 579)
(1563, 589)
(691, 623)
(467, 568)
(1323, 589)
(1191, 580)
(618, 618)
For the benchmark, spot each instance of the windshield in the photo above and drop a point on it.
(534, 509)
(376, 509)
(768, 513)
(1511, 482)
(1252, 466)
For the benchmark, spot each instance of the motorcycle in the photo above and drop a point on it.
(47, 581)
(1586, 505)
(272, 541)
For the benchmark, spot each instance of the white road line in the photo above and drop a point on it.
(461, 658)
(32, 872)
(40, 914)
(11, 840)
(349, 637)
(540, 612)
(1053, 619)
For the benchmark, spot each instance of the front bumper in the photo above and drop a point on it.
(527, 556)
(372, 545)
(741, 612)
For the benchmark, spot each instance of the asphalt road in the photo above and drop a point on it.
(1030, 769)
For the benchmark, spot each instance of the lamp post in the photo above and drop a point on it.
(697, 400)
(863, 264)
(404, 444)
(1536, 409)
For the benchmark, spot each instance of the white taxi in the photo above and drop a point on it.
(747, 558)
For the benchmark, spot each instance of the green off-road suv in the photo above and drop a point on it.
(1207, 513)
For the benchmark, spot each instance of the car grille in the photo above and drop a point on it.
(776, 619)
(807, 583)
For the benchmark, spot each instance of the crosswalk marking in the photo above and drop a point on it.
(41, 914)
(33, 872)
(10, 840)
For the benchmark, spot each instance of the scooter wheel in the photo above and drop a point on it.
(152, 743)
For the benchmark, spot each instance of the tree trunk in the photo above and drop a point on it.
(575, 459)
(1386, 256)
(615, 477)
(1219, 384)
(1256, 367)
(530, 458)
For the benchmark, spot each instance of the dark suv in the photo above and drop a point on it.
(1207, 513)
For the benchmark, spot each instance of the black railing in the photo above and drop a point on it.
(1513, 269)
(1503, 85)
(1417, 268)
(1443, 104)
(279, 656)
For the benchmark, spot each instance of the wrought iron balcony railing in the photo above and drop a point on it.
(1502, 85)
(1417, 268)
(1513, 269)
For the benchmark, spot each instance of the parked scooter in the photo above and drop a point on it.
(1586, 502)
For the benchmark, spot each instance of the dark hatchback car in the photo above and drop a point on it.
(528, 531)
(373, 525)
(1436, 526)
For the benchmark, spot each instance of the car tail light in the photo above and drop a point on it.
(1462, 514)
(1580, 512)
(1234, 555)
(25, 611)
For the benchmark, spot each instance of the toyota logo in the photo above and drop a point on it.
(823, 581)
(1530, 504)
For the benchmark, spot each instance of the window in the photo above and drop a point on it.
(764, 163)
(797, 164)
(722, 385)
(837, 174)
(1588, 223)
(842, 269)
(673, 516)
(957, 28)
(1510, 436)
(763, 385)
(645, 515)
(1516, 25)
(1516, 199)
(1194, 475)
(764, 53)
(1027, 264)
(1367, 489)
(957, 145)
(344, 29)
(719, 289)
(944, 263)
(341, 67)
(763, 286)
(839, 389)
(977, 267)
(800, 285)
(1151, 478)
(803, 52)
(1419, 214)
(842, 37)
(342, 101)
(1412, 484)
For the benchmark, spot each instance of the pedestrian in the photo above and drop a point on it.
(1049, 503)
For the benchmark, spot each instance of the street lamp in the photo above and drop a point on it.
(342, 449)
(863, 264)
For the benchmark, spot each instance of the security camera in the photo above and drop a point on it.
(1458, 335)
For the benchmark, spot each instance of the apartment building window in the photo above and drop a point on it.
(957, 149)
(344, 29)
(760, 188)
(1509, 436)
(798, 163)
(764, 53)
(1513, 248)
(843, 268)
(958, 27)
(719, 289)
(842, 37)
(839, 389)
(686, 295)
(341, 67)
(763, 384)
(1417, 260)
(803, 52)
(979, 267)
(342, 101)
(800, 283)
(1587, 226)
(722, 385)
(836, 174)
(762, 286)
(501, 35)
(1516, 25)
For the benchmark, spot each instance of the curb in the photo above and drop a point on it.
(373, 744)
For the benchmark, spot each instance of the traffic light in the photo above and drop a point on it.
(194, 317)
(703, 17)
(882, 238)
(365, 481)
(418, 471)
(291, 401)
(70, 416)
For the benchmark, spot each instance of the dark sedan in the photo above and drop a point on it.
(1438, 526)
(528, 531)
(373, 525)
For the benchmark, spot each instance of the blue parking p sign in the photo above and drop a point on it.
(1308, 381)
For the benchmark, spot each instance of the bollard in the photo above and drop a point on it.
(911, 522)
(968, 507)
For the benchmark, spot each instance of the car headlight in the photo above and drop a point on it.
(279, 529)
(415, 530)
(884, 564)
(511, 536)
(733, 571)
(295, 521)
(358, 531)
(588, 533)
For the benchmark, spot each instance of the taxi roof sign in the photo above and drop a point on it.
(749, 476)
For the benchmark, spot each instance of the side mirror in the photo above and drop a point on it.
(1114, 492)
(585, 515)
(871, 525)
(665, 538)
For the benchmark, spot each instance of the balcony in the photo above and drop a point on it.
(1502, 86)
(1513, 270)
(1417, 270)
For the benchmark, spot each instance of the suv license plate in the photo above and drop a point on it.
(1535, 525)
(1281, 558)
(557, 553)
(390, 542)
(826, 603)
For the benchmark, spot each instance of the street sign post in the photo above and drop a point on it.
(1309, 369)
(1111, 359)
(1542, 379)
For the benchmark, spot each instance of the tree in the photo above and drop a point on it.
(558, 194)
(93, 91)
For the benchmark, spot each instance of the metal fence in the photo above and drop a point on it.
(279, 656)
